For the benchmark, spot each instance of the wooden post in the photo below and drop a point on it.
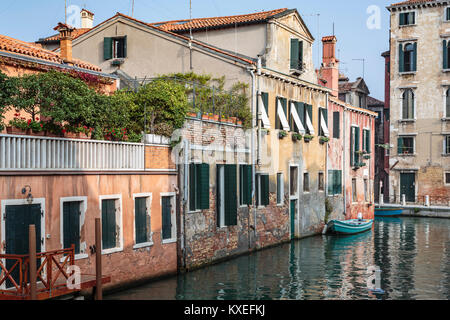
(33, 265)
(98, 259)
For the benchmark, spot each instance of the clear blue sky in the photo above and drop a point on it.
(30, 20)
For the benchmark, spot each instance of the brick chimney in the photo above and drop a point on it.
(87, 19)
(65, 38)
(330, 65)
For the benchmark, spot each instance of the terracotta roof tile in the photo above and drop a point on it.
(411, 2)
(75, 34)
(11, 45)
(200, 23)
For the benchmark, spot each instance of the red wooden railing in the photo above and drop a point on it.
(51, 274)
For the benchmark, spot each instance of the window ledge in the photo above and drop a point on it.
(168, 241)
(406, 155)
(405, 73)
(445, 119)
(112, 250)
(407, 25)
(143, 245)
(195, 211)
(445, 154)
(407, 120)
(445, 70)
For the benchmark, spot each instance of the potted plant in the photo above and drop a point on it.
(205, 116)
(282, 134)
(239, 122)
(192, 114)
(18, 125)
(323, 140)
(296, 137)
(308, 137)
(36, 128)
(366, 156)
(214, 117)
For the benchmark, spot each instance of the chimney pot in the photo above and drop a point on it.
(65, 39)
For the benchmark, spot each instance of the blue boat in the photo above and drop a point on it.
(388, 212)
(350, 226)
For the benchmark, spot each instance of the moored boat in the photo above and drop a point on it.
(388, 212)
(350, 226)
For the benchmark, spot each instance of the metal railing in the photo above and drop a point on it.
(421, 200)
(44, 153)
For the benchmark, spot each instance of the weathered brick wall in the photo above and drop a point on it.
(159, 157)
(205, 242)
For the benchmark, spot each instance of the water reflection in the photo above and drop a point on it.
(413, 254)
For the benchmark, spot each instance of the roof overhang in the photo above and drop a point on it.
(415, 5)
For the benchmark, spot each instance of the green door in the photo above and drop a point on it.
(18, 219)
(293, 211)
(408, 186)
(166, 218)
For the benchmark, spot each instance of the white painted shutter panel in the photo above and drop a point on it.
(309, 124)
(264, 116)
(297, 119)
(323, 124)
(282, 117)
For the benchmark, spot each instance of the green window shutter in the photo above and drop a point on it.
(309, 109)
(368, 149)
(230, 195)
(400, 145)
(402, 19)
(300, 58)
(336, 125)
(445, 54)
(202, 186)
(301, 113)
(330, 182)
(108, 224)
(401, 58)
(192, 186)
(265, 99)
(140, 215)
(352, 146)
(414, 60)
(71, 225)
(107, 48)
(125, 45)
(277, 119)
(338, 181)
(248, 172)
(357, 144)
(295, 53)
(264, 190)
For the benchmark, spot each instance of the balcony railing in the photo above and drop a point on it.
(58, 154)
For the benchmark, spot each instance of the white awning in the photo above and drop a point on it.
(309, 123)
(264, 116)
(324, 126)
(297, 120)
(282, 116)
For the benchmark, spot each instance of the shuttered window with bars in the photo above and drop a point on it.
(245, 185)
(227, 195)
(262, 189)
(71, 224)
(336, 125)
(354, 146)
(141, 220)
(109, 226)
(198, 186)
(334, 182)
(296, 54)
(114, 48)
(408, 57)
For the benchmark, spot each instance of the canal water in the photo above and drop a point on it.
(412, 253)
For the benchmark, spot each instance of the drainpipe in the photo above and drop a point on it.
(185, 199)
(258, 119)
(344, 163)
(253, 104)
(326, 151)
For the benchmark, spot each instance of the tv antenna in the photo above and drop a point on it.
(364, 63)
(132, 8)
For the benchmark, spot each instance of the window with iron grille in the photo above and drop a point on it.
(447, 178)
(406, 145)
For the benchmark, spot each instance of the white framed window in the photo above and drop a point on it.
(112, 223)
(408, 105)
(447, 14)
(72, 218)
(142, 227)
(446, 145)
(447, 178)
(407, 18)
(168, 217)
(406, 145)
(280, 189)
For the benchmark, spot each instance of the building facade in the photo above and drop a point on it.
(419, 102)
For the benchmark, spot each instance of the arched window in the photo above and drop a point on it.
(447, 104)
(408, 104)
